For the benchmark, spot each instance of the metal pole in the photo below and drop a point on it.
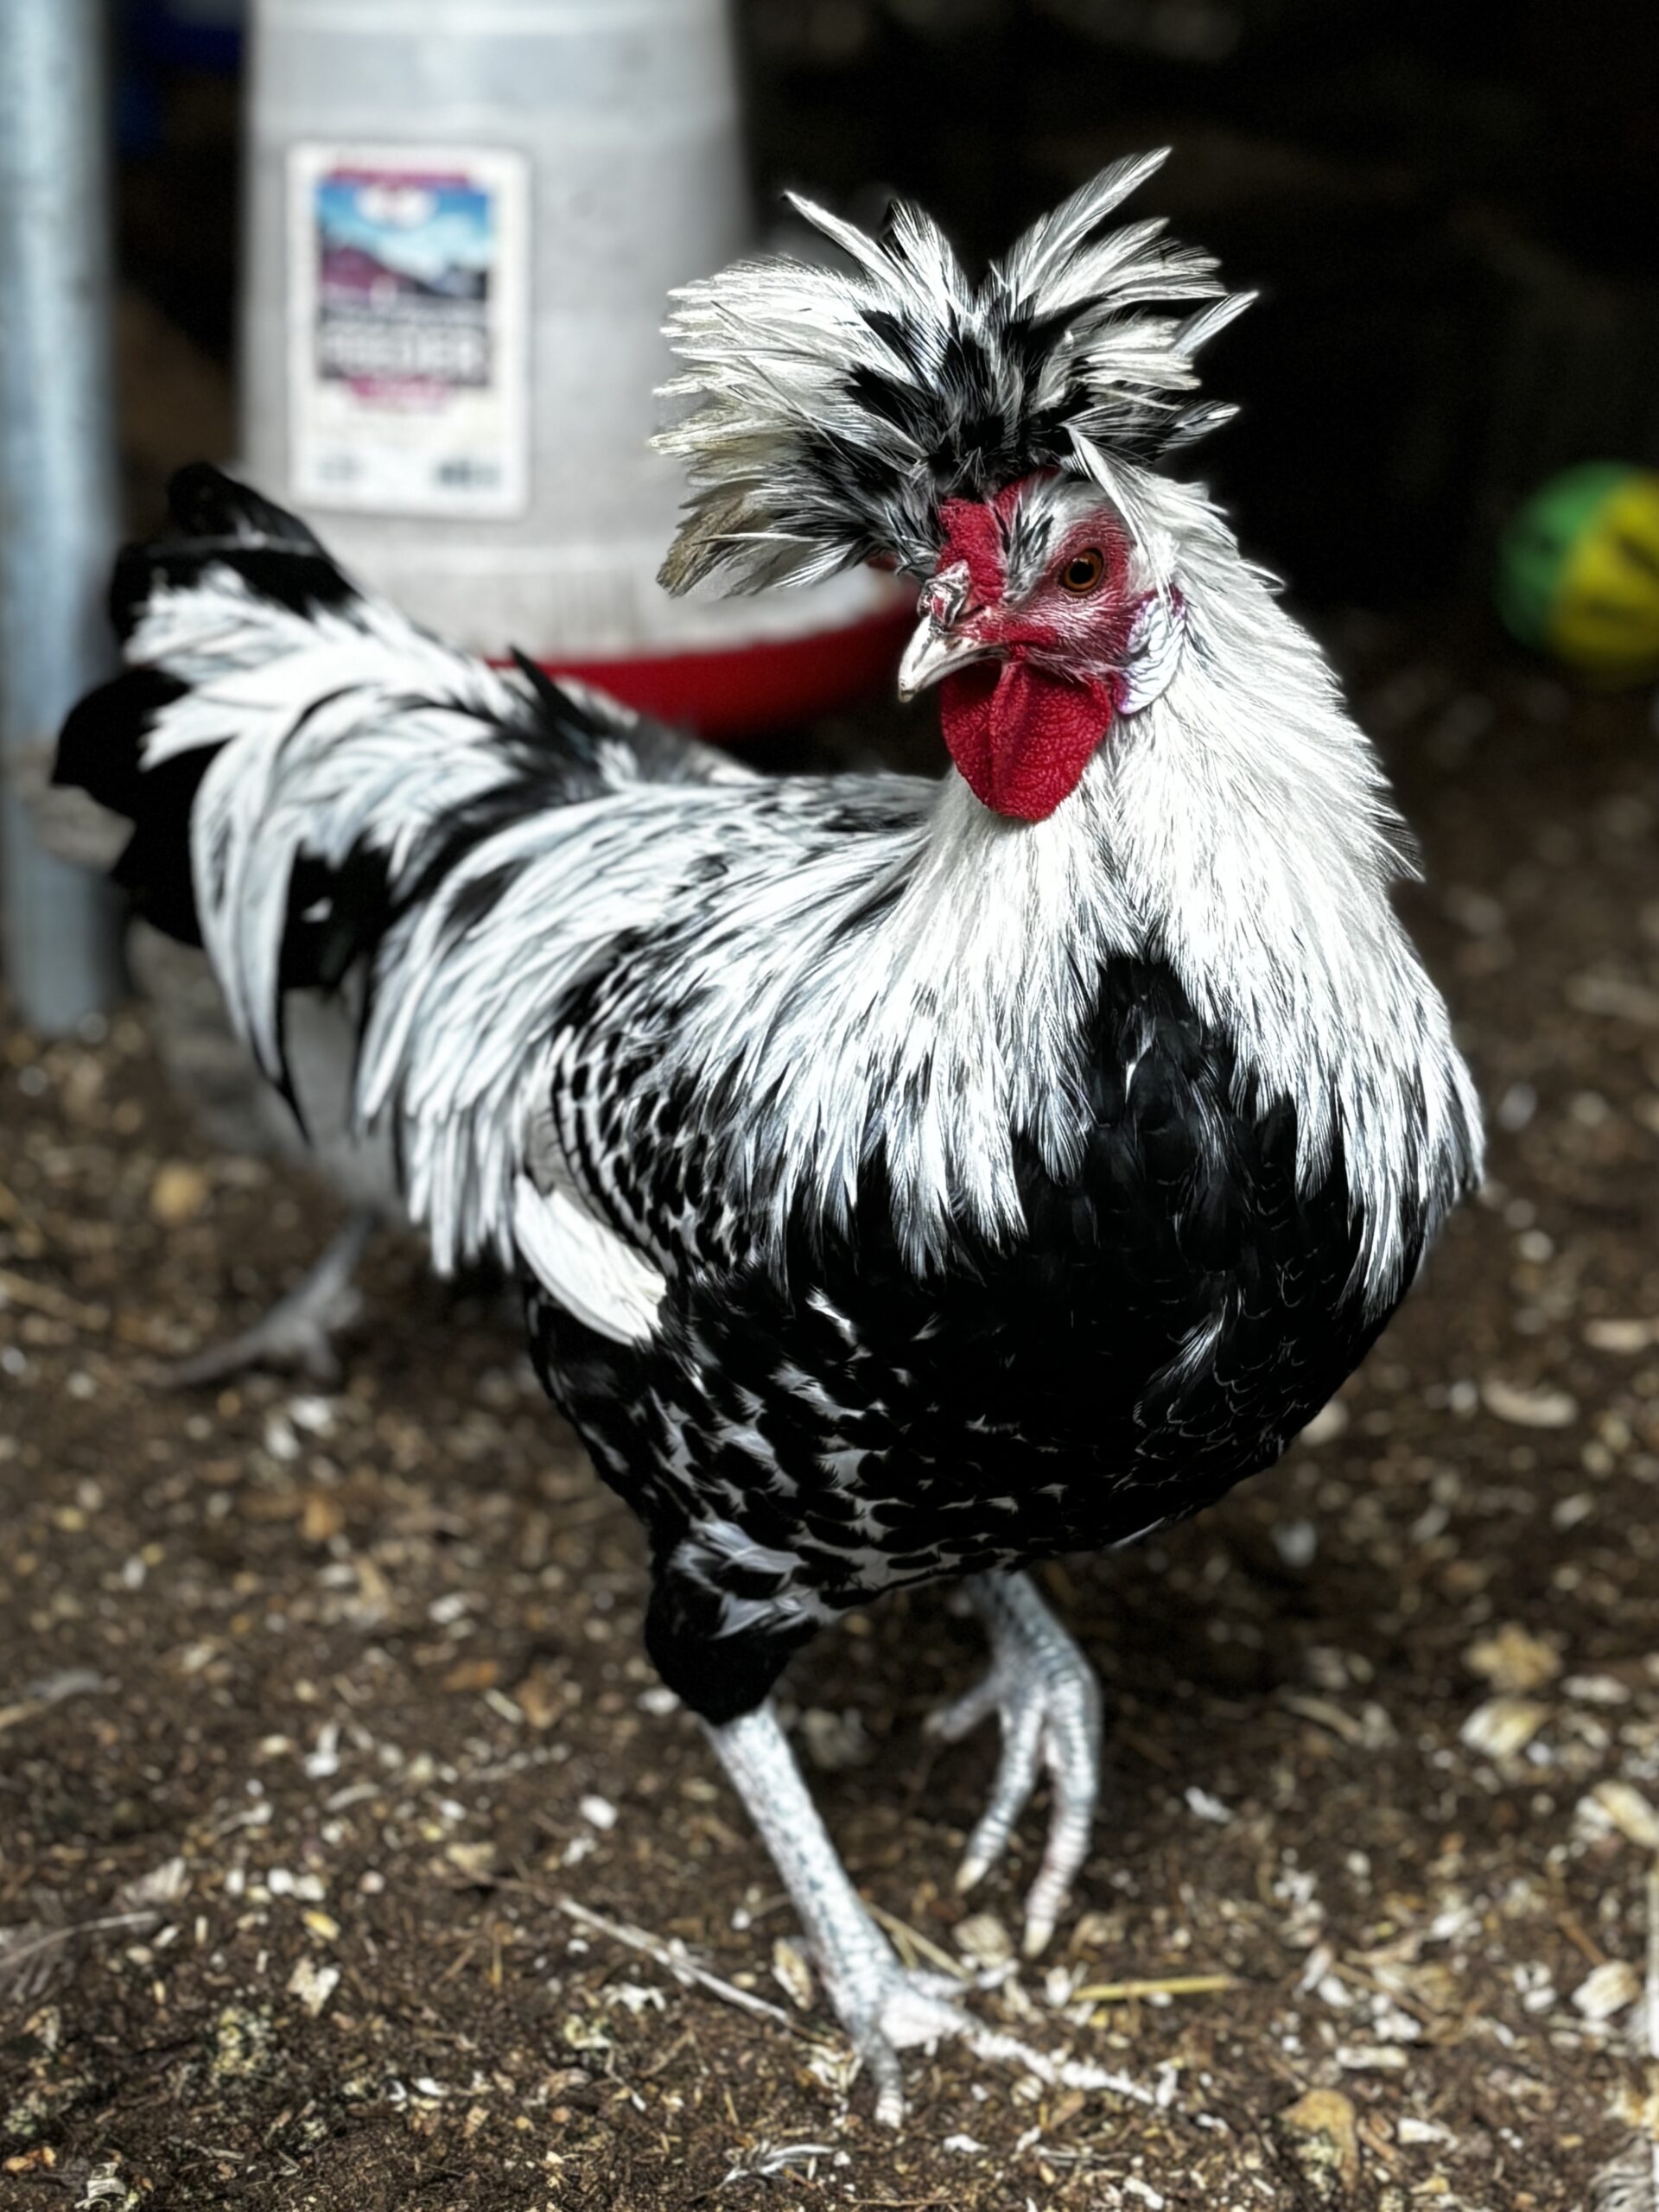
(57, 500)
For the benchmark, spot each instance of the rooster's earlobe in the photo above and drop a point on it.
(1157, 641)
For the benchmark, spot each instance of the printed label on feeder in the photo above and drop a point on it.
(407, 368)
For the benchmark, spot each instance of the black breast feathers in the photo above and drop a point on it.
(1175, 1312)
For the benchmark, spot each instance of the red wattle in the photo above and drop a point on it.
(1020, 737)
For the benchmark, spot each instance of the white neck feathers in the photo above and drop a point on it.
(1238, 830)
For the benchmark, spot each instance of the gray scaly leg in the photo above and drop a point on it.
(1043, 1693)
(299, 1329)
(884, 2007)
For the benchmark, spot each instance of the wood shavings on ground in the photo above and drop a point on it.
(672, 1958)
(1630, 2181)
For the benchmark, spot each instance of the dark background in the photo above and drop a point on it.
(1452, 212)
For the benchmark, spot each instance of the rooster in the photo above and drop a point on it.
(909, 1180)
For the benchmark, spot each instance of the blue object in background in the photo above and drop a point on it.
(153, 36)
(187, 34)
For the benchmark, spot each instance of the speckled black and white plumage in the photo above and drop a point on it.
(902, 1189)
(1178, 1307)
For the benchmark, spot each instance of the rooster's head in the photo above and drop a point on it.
(994, 441)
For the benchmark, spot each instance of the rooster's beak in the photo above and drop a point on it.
(935, 651)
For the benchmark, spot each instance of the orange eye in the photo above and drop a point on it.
(1083, 571)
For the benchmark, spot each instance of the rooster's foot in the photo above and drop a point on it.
(297, 1334)
(1044, 1695)
(887, 2007)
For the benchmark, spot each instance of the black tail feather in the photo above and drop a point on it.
(221, 594)
(99, 754)
(215, 519)
(207, 506)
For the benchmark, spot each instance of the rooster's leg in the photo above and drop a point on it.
(883, 2007)
(298, 1331)
(1043, 1693)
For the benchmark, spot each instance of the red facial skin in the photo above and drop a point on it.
(1024, 725)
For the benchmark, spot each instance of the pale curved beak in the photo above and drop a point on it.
(933, 652)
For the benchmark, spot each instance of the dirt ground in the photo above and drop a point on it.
(321, 1710)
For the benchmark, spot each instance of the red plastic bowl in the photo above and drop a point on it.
(735, 691)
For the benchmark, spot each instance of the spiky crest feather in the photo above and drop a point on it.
(840, 407)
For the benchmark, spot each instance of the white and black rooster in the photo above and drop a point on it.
(910, 1179)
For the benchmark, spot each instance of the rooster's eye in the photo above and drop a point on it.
(1083, 571)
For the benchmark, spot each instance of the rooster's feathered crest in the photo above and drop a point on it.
(840, 407)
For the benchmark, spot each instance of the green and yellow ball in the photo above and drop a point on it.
(1577, 571)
